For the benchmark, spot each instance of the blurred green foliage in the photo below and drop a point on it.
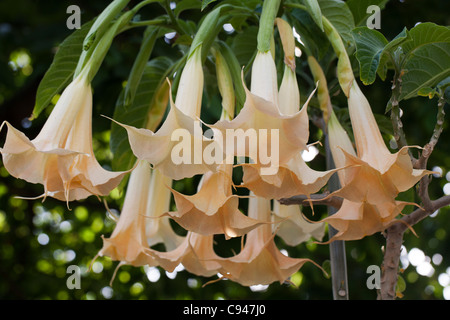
(38, 241)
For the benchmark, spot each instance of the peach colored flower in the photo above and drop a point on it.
(260, 261)
(213, 209)
(61, 157)
(161, 147)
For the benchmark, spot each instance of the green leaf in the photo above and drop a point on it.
(61, 71)
(315, 12)
(427, 58)
(359, 9)
(340, 16)
(311, 35)
(136, 114)
(205, 3)
(187, 5)
(244, 45)
(374, 52)
(370, 45)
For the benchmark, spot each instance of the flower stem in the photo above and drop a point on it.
(266, 24)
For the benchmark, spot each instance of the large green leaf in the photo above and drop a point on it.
(61, 71)
(359, 9)
(340, 16)
(374, 52)
(315, 12)
(244, 45)
(370, 45)
(137, 113)
(427, 58)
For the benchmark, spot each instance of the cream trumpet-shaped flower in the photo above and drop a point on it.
(195, 253)
(128, 242)
(140, 223)
(177, 147)
(213, 209)
(262, 133)
(380, 176)
(264, 77)
(293, 228)
(158, 228)
(293, 177)
(61, 157)
(369, 204)
(260, 261)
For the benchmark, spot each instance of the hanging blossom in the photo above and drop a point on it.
(61, 157)
(294, 176)
(161, 147)
(374, 177)
(260, 261)
(213, 209)
(263, 133)
(140, 224)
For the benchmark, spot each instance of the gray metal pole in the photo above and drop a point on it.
(337, 248)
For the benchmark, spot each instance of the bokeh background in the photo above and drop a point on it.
(38, 241)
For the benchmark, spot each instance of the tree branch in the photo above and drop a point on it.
(318, 199)
(394, 240)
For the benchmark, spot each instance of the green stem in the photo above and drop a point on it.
(175, 25)
(345, 70)
(266, 24)
(150, 36)
(97, 30)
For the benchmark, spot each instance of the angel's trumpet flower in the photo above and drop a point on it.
(269, 137)
(61, 157)
(369, 204)
(213, 209)
(195, 253)
(128, 242)
(293, 228)
(382, 175)
(260, 261)
(140, 223)
(163, 148)
(294, 177)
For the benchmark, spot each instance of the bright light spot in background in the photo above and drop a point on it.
(43, 239)
(192, 283)
(171, 275)
(438, 170)
(97, 267)
(446, 293)
(65, 226)
(416, 256)
(444, 279)
(437, 259)
(169, 36)
(446, 189)
(425, 269)
(310, 154)
(173, 5)
(297, 36)
(152, 273)
(283, 251)
(21, 60)
(297, 52)
(107, 292)
(228, 28)
(259, 287)
(447, 176)
(434, 214)
(404, 257)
